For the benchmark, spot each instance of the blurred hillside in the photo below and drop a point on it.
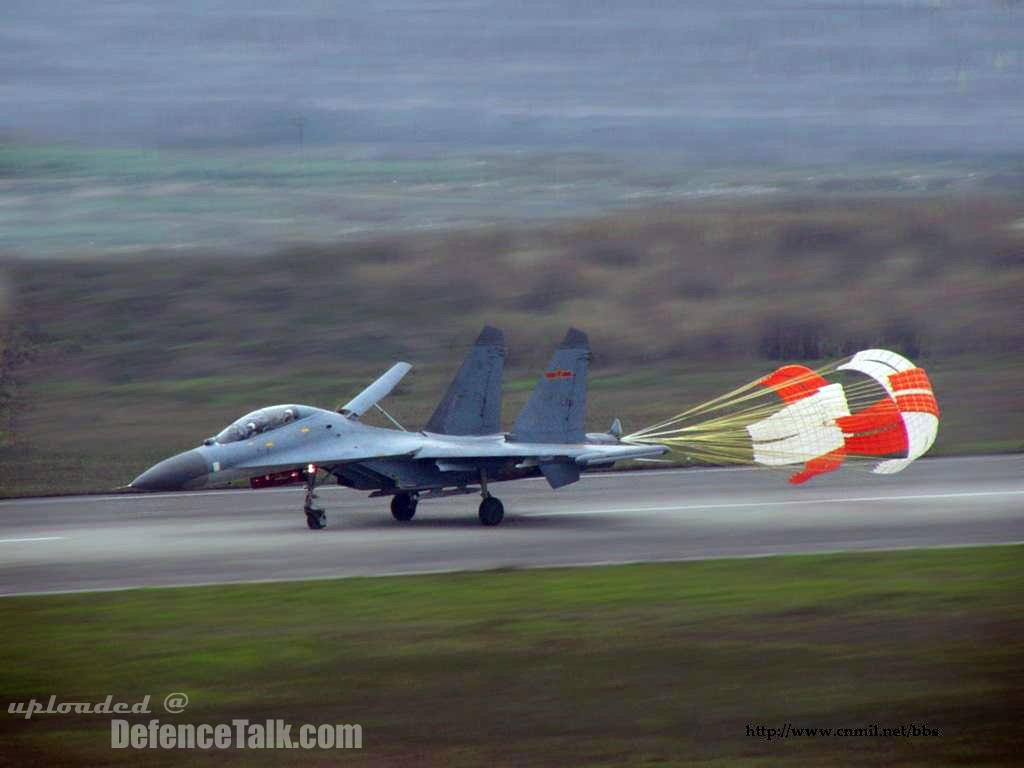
(73, 201)
(122, 360)
(779, 280)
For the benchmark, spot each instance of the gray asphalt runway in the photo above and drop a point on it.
(108, 542)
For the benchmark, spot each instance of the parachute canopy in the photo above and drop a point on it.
(906, 420)
(876, 406)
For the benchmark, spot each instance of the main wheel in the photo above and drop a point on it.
(491, 511)
(316, 519)
(403, 507)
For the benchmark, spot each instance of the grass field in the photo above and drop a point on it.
(630, 665)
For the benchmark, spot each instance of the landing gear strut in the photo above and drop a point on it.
(492, 511)
(403, 506)
(316, 518)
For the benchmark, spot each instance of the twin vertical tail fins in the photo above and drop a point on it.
(557, 409)
(472, 404)
(555, 412)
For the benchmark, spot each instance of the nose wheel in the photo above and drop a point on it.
(316, 519)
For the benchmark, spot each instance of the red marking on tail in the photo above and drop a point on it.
(558, 373)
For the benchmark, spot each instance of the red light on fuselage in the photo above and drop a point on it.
(288, 477)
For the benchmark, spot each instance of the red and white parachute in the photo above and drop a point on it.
(906, 421)
(883, 410)
(806, 430)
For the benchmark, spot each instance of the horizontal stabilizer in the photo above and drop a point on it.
(472, 404)
(623, 453)
(376, 392)
(557, 408)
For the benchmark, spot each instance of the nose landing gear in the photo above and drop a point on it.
(316, 518)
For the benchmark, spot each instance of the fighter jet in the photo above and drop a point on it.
(461, 449)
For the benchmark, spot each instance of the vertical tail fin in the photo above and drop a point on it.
(472, 404)
(557, 409)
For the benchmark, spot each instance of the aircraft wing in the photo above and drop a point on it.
(329, 455)
(582, 454)
(560, 463)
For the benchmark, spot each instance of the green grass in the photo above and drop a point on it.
(626, 665)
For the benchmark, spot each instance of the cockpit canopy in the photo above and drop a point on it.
(263, 420)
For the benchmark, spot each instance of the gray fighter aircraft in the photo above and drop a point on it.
(462, 448)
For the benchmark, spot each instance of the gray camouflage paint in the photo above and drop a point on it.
(460, 440)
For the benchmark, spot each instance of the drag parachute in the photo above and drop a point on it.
(805, 430)
(906, 421)
(878, 407)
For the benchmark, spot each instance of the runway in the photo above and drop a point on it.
(120, 541)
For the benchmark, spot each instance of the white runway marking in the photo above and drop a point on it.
(788, 503)
(31, 538)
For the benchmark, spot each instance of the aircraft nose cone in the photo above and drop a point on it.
(172, 474)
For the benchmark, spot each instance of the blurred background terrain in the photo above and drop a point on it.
(113, 362)
(206, 210)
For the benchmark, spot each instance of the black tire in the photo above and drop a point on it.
(316, 519)
(492, 511)
(403, 507)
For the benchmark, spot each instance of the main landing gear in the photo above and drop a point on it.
(316, 518)
(403, 506)
(404, 503)
(492, 511)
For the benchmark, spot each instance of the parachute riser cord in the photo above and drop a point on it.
(750, 391)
